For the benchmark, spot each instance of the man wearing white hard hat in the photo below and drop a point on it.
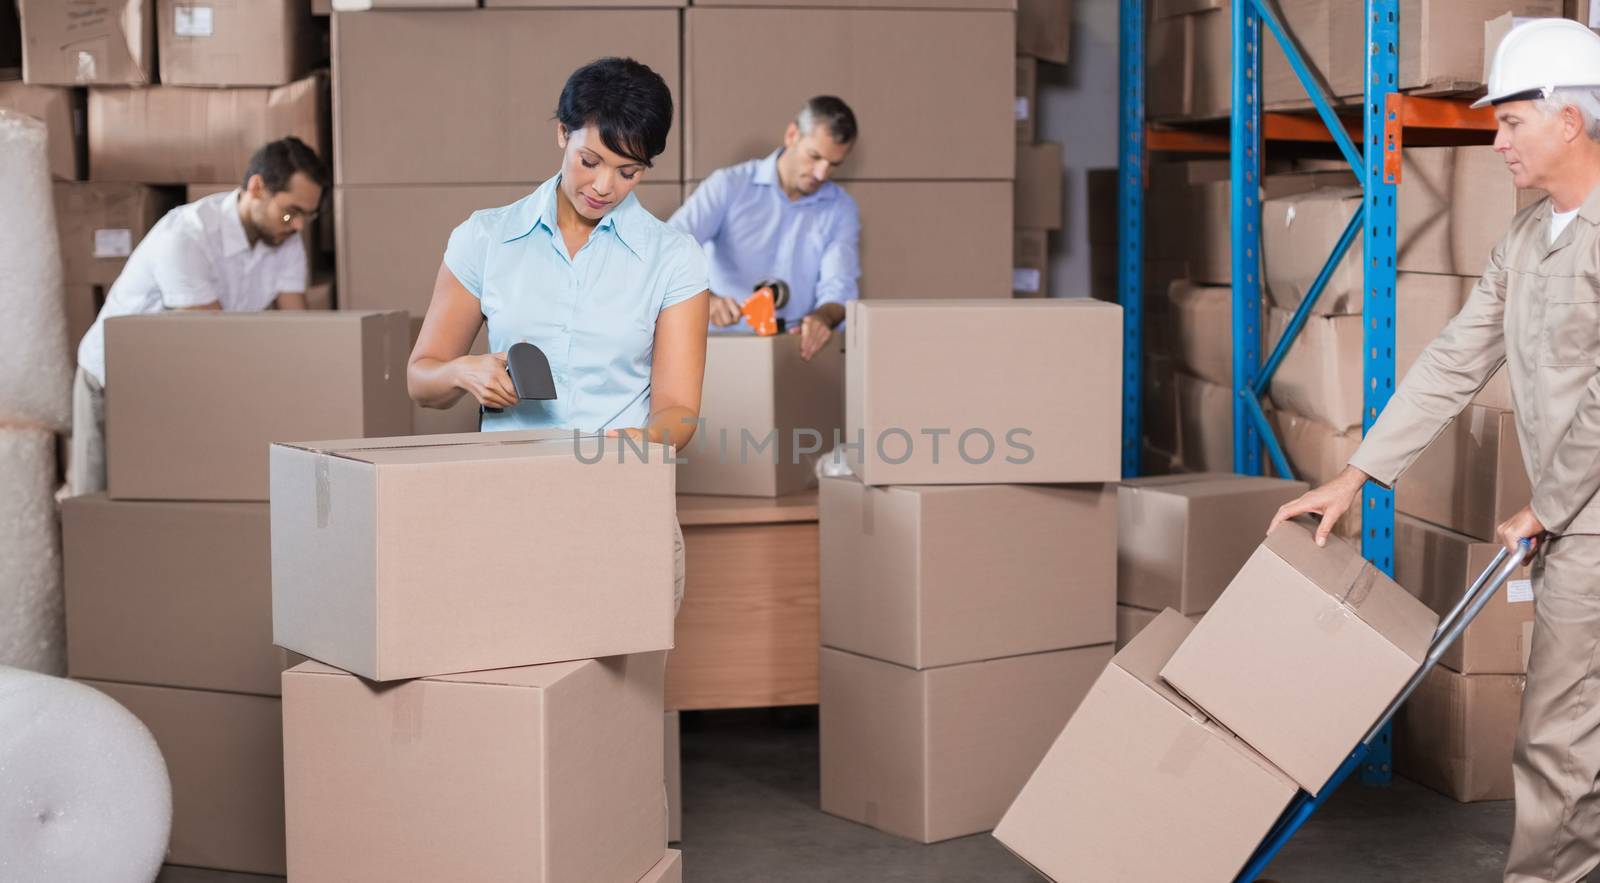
(1537, 310)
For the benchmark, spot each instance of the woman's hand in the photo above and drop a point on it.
(1330, 501)
(486, 379)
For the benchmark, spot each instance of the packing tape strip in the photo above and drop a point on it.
(1331, 620)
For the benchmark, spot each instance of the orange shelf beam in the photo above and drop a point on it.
(1405, 112)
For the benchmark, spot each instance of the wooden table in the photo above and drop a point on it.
(747, 633)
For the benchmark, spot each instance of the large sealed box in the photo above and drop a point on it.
(767, 416)
(224, 754)
(1303, 652)
(1142, 785)
(1437, 566)
(88, 42)
(1471, 478)
(1297, 233)
(1040, 201)
(1181, 538)
(935, 754)
(1044, 28)
(175, 594)
(1205, 424)
(175, 135)
(945, 392)
(101, 224)
(1454, 205)
(234, 42)
(748, 71)
(63, 114)
(408, 557)
(541, 773)
(1456, 734)
(1204, 330)
(194, 399)
(934, 239)
(929, 575)
(506, 65)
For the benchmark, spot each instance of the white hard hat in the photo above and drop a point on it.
(1541, 55)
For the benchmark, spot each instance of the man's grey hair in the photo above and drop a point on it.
(1585, 100)
(831, 113)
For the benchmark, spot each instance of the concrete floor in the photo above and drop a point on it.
(750, 816)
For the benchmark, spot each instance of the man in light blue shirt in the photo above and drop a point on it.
(779, 217)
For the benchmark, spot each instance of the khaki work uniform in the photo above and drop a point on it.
(1536, 309)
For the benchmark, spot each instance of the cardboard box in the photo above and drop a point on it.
(1210, 68)
(384, 97)
(768, 416)
(928, 575)
(1441, 43)
(1454, 205)
(748, 71)
(234, 42)
(1133, 620)
(1209, 233)
(62, 112)
(174, 135)
(366, 5)
(1205, 424)
(199, 396)
(1168, 90)
(1471, 478)
(1297, 234)
(542, 773)
(1310, 24)
(391, 239)
(1161, 406)
(100, 224)
(465, 414)
(88, 42)
(931, 755)
(83, 303)
(1456, 734)
(1044, 29)
(1038, 200)
(224, 754)
(1204, 330)
(539, 571)
(1030, 263)
(1182, 538)
(668, 870)
(1437, 566)
(1303, 652)
(674, 769)
(1027, 99)
(175, 594)
(922, 371)
(1139, 767)
(934, 239)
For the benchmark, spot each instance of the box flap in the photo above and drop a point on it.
(528, 676)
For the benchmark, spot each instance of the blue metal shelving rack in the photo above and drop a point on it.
(1374, 222)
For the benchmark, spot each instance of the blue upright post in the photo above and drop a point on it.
(1130, 230)
(1378, 244)
(1245, 131)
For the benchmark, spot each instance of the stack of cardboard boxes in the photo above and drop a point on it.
(1044, 29)
(232, 76)
(490, 615)
(969, 564)
(1197, 736)
(168, 575)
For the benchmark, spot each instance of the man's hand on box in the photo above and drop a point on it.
(814, 332)
(1330, 501)
(724, 311)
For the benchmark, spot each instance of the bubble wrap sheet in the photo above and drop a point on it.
(84, 794)
(35, 365)
(31, 626)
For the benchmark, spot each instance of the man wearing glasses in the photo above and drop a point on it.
(237, 251)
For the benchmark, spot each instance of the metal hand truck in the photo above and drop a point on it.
(1450, 628)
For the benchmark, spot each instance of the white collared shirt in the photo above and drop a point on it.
(198, 253)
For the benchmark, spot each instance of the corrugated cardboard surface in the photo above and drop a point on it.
(175, 594)
(1303, 652)
(1471, 478)
(200, 396)
(941, 753)
(1297, 232)
(234, 42)
(1437, 566)
(748, 71)
(1044, 29)
(1040, 187)
(224, 754)
(1027, 99)
(924, 576)
(1030, 263)
(505, 66)
(1205, 424)
(1204, 330)
(934, 239)
(1161, 420)
(391, 239)
(1454, 205)
(551, 557)
(175, 135)
(1456, 734)
(1441, 42)
(769, 415)
(62, 112)
(668, 870)
(1181, 539)
(1133, 620)
(100, 224)
(674, 761)
(545, 773)
(918, 367)
(1141, 786)
(88, 42)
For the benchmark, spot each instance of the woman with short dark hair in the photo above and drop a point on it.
(615, 298)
